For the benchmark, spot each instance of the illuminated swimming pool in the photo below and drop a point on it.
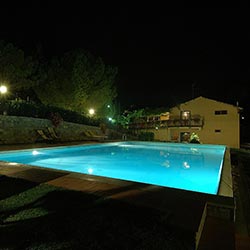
(193, 167)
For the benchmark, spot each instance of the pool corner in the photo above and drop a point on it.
(218, 218)
(226, 182)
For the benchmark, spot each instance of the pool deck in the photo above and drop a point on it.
(209, 217)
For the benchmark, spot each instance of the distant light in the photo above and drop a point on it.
(156, 127)
(91, 111)
(185, 113)
(108, 106)
(242, 117)
(3, 89)
(110, 119)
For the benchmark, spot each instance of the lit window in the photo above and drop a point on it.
(217, 130)
(185, 115)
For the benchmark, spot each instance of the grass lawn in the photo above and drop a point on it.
(46, 217)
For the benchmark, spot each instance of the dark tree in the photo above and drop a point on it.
(16, 69)
(77, 81)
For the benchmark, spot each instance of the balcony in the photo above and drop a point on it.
(174, 121)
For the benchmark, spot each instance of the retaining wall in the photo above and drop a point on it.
(18, 129)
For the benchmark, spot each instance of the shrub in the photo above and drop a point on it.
(146, 136)
(55, 114)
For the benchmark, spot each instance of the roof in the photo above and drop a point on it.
(202, 97)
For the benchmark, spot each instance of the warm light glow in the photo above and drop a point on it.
(185, 114)
(3, 89)
(13, 163)
(91, 111)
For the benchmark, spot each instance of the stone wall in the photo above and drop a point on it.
(18, 129)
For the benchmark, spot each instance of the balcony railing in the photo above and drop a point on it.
(196, 121)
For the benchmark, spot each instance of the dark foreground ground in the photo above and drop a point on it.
(240, 162)
(47, 217)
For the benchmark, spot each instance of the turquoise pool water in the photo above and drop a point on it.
(194, 167)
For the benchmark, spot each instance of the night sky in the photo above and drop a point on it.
(164, 56)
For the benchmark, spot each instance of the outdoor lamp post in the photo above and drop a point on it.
(3, 91)
(91, 111)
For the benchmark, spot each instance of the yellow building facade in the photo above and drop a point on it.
(214, 122)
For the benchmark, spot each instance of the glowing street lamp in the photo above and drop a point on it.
(3, 89)
(91, 111)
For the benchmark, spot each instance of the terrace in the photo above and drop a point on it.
(172, 121)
